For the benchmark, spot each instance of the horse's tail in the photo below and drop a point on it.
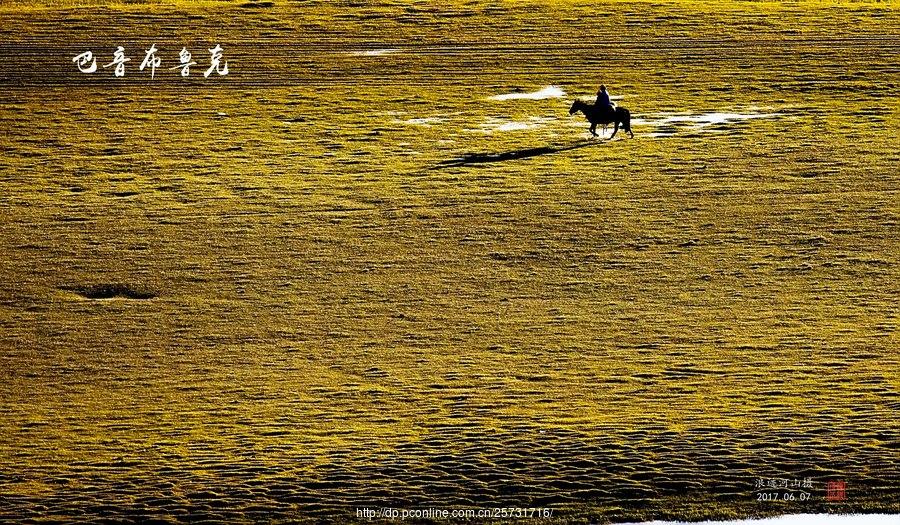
(626, 120)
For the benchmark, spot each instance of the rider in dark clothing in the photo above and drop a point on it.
(603, 101)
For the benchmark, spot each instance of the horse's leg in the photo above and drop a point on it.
(594, 129)
(615, 130)
(626, 122)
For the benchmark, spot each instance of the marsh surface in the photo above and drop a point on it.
(254, 297)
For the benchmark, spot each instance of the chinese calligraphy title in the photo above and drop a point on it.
(88, 64)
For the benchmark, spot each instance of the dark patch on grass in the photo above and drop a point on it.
(253, 4)
(112, 291)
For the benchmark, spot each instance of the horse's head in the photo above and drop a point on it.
(576, 106)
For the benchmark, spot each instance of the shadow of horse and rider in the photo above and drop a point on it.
(602, 112)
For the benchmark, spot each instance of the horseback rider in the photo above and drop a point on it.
(603, 103)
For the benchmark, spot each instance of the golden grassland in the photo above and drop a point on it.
(309, 313)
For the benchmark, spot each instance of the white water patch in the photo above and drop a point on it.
(670, 124)
(422, 121)
(493, 124)
(541, 94)
(375, 52)
(666, 125)
(707, 119)
(799, 519)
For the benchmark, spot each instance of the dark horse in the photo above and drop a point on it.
(596, 116)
